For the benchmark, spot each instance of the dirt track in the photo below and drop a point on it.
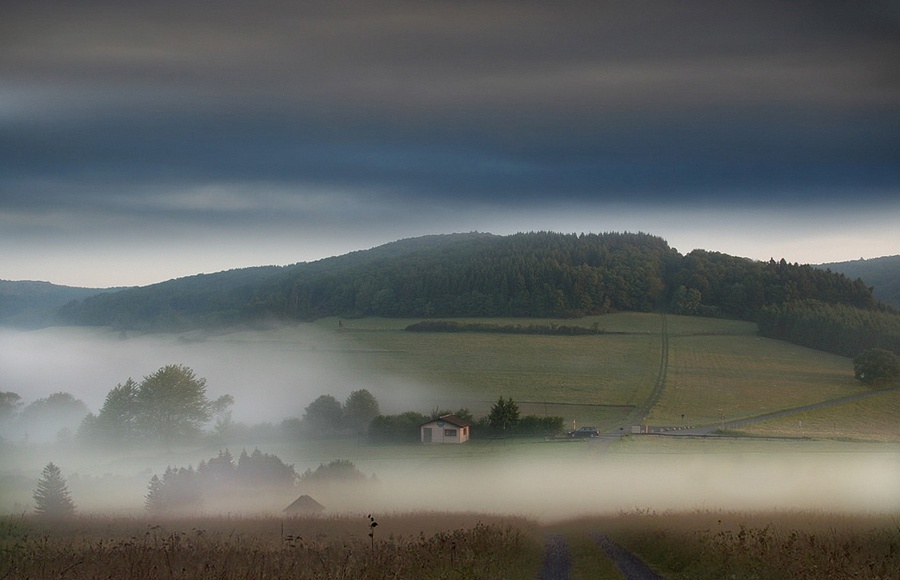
(557, 562)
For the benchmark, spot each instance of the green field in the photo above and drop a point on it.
(590, 379)
(715, 371)
(872, 419)
(735, 376)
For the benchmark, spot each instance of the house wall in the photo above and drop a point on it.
(439, 433)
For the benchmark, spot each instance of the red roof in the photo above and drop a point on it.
(452, 419)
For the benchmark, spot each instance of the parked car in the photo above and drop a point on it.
(585, 432)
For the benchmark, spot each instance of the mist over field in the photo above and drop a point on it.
(275, 373)
(543, 487)
(272, 375)
(548, 489)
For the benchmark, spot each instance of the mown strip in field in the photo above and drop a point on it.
(713, 379)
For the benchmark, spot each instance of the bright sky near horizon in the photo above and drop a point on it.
(146, 141)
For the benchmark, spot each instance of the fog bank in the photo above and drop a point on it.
(272, 374)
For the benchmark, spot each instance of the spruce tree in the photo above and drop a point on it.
(504, 414)
(51, 496)
(155, 502)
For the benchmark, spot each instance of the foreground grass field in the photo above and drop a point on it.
(440, 545)
(739, 546)
(404, 546)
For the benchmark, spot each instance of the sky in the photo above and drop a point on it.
(141, 142)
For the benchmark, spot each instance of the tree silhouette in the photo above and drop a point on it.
(168, 407)
(323, 416)
(51, 496)
(876, 366)
(359, 410)
(504, 414)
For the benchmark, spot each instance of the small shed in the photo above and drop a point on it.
(445, 429)
(304, 506)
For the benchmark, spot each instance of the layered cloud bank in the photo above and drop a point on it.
(140, 143)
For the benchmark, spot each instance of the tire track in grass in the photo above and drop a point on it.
(653, 398)
(557, 562)
(632, 567)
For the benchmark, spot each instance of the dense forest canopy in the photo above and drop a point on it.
(539, 274)
(882, 274)
(27, 303)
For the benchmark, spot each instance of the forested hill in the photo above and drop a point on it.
(33, 304)
(482, 275)
(882, 274)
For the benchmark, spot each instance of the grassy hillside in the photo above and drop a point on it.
(590, 379)
(742, 375)
(873, 419)
(716, 369)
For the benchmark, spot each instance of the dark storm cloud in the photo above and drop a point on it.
(507, 102)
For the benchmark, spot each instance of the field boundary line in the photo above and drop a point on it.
(709, 429)
(653, 398)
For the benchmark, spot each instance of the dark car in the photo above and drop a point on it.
(585, 432)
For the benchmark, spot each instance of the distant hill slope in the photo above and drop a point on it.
(34, 304)
(479, 275)
(883, 274)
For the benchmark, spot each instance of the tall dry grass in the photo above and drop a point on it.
(412, 546)
(751, 546)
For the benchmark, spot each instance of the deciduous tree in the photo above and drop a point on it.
(323, 416)
(45, 418)
(172, 403)
(359, 410)
(117, 422)
(877, 366)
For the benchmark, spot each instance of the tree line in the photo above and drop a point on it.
(183, 490)
(503, 420)
(538, 274)
(551, 329)
(835, 328)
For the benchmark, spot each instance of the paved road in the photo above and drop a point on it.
(710, 429)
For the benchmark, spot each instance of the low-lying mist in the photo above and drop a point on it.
(272, 374)
(549, 489)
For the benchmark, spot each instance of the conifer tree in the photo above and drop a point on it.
(51, 496)
(154, 501)
(504, 414)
